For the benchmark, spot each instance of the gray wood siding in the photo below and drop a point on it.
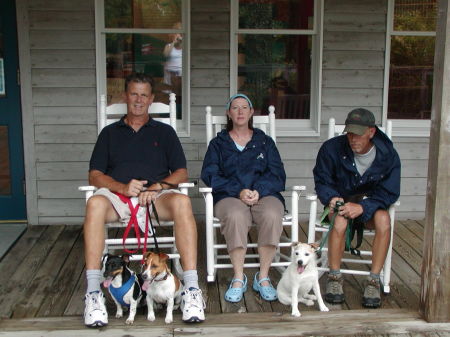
(63, 97)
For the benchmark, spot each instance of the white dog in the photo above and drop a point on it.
(299, 278)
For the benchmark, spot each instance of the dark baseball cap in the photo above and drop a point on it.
(232, 98)
(358, 121)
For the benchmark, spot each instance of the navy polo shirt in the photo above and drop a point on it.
(152, 153)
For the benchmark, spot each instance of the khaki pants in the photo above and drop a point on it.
(236, 219)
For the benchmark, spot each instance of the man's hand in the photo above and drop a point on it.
(249, 197)
(146, 197)
(134, 187)
(332, 203)
(351, 210)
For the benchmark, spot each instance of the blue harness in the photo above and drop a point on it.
(119, 293)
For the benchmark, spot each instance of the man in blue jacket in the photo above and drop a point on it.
(362, 170)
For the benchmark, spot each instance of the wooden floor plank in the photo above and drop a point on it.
(57, 299)
(42, 283)
(415, 227)
(415, 242)
(12, 290)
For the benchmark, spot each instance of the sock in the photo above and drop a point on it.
(334, 272)
(374, 276)
(94, 277)
(190, 279)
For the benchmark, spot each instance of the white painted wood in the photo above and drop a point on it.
(62, 97)
(49, 39)
(358, 97)
(61, 5)
(349, 22)
(353, 41)
(353, 59)
(65, 134)
(45, 58)
(27, 110)
(63, 171)
(352, 79)
(358, 7)
(63, 152)
(61, 20)
(68, 78)
(54, 115)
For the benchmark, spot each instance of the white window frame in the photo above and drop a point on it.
(183, 125)
(287, 127)
(401, 127)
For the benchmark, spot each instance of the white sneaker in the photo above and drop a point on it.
(193, 305)
(95, 314)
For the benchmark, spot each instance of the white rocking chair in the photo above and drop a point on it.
(165, 114)
(213, 125)
(315, 225)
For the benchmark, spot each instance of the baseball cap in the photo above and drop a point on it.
(232, 98)
(358, 120)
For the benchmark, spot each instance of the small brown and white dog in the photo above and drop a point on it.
(299, 278)
(161, 285)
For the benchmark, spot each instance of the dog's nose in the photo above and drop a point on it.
(300, 262)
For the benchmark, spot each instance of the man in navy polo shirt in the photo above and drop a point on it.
(129, 155)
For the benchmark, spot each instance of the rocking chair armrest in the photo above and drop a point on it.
(205, 189)
(86, 188)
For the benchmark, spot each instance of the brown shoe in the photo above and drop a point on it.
(334, 292)
(372, 297)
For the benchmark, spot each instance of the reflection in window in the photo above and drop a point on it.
(275, 68)
(157, 54)
(411, 60)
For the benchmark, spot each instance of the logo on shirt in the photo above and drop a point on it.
(260, 156)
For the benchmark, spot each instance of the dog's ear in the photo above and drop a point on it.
(146, 255)
(314, 245)
(126, 258)
(163, 257)
(293, 244)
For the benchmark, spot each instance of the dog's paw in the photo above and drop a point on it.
(151, 317)
(119, 315)
(309, 303)
(169, 319)
(324, 308)
(129, 321)
(296, 313)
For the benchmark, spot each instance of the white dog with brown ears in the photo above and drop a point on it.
(161, 285)
(299, 278)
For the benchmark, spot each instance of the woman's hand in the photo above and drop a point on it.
(249, 197)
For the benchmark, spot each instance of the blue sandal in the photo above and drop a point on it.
(268, 293)
(234, 295)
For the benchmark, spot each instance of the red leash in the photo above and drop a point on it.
(133, 223)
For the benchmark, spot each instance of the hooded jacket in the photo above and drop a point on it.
(258, 167)
(335, 174)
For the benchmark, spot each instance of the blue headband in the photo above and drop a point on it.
(232, 98)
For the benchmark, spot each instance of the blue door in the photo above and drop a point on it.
(12, 178)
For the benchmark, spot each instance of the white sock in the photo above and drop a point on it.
(94, 277)
(190, 279)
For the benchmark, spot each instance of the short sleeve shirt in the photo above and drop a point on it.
(152, 153)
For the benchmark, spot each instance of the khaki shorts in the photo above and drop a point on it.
(123, 210)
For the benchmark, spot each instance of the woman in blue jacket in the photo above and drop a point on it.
(245, 171)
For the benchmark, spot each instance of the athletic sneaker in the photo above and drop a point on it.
(193, 306)
(334, 292)
(371, 297)
(95, 314)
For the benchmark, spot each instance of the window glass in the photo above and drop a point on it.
(276, 70)
(276, 14)
(142, 13)
(411, 77)
(415, 15)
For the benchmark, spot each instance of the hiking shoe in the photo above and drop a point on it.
(372, 297)
(193, 306)
(334, 292)
(95, 314)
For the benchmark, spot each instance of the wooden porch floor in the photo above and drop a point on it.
(42, 280)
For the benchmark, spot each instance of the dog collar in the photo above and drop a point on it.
(119, 293)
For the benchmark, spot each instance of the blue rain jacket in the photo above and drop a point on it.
(335, 174)
(258, 167)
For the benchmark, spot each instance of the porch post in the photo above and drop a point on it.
(435, 283)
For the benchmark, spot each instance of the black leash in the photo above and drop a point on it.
(349, 232)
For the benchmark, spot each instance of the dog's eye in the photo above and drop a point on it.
(306, 254)
(154, 266)
(296, 253)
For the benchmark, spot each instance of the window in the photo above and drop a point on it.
(149, 36)
(410, 60)
(276, 60)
